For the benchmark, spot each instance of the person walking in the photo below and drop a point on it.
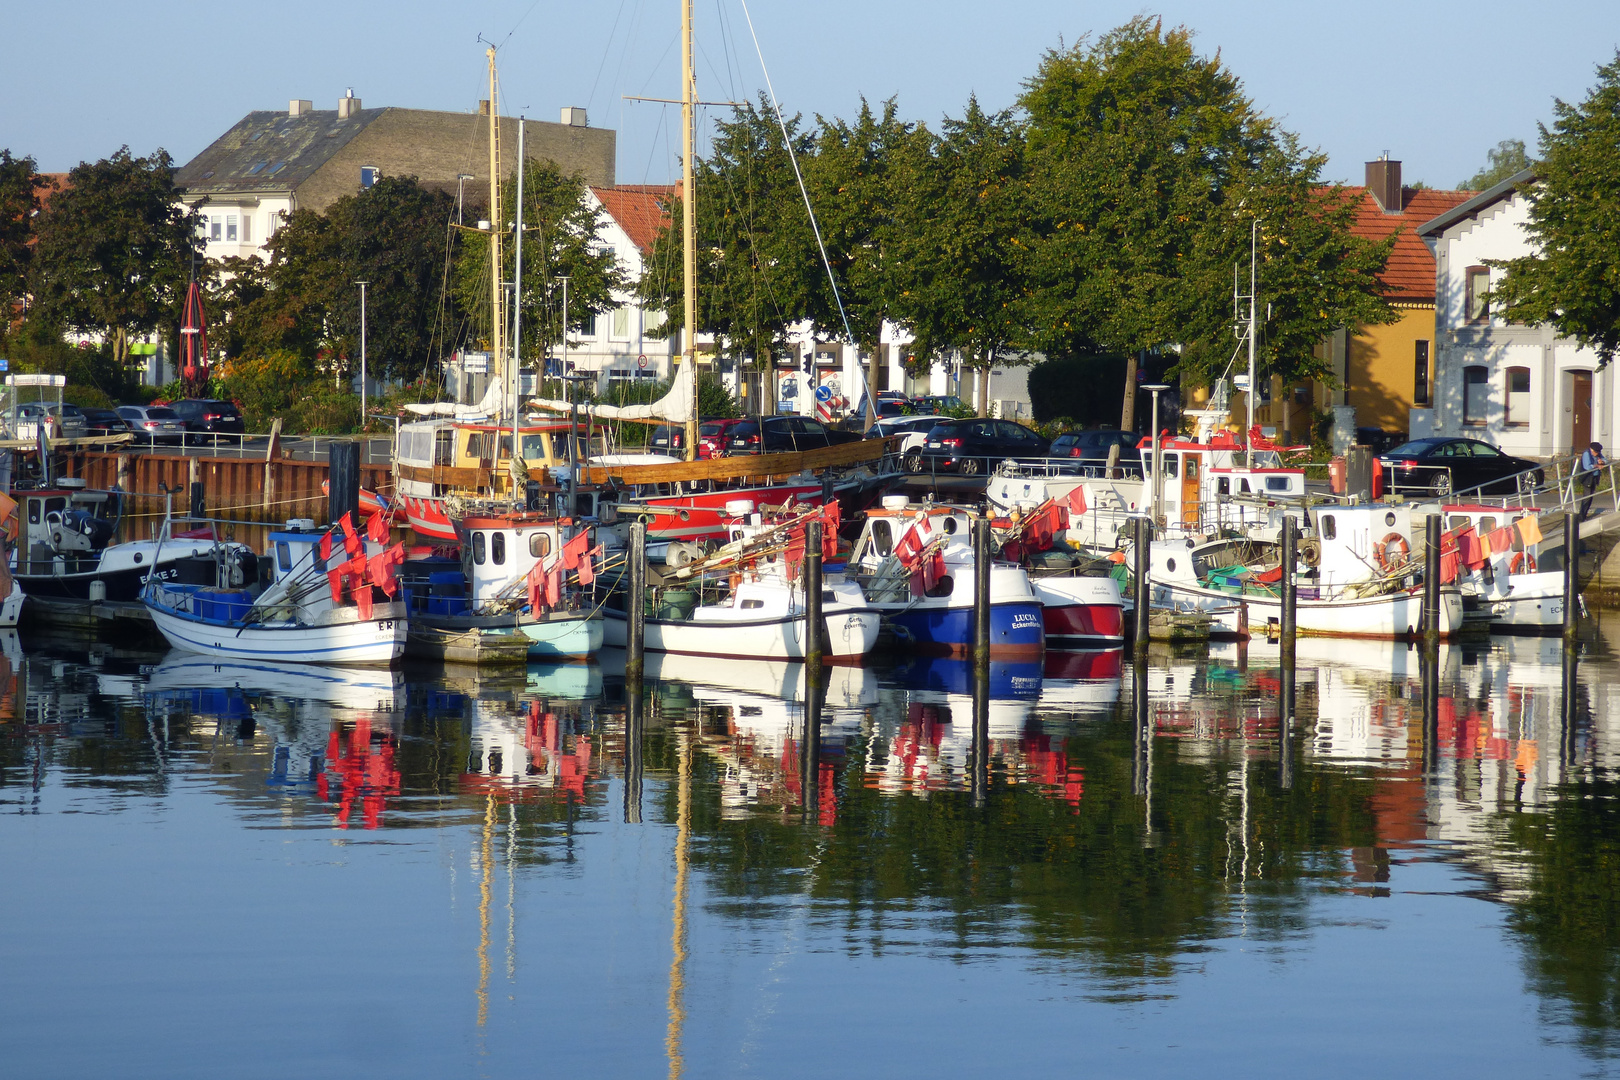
(1592, 460)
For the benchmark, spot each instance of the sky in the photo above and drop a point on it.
(1434, 85)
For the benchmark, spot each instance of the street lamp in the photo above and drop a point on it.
(1158, 452)
(461, 182)
(362, 285)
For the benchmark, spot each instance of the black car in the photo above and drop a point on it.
(208, 418)
(1442, 466)
(784, 434)
(103, 421)
(1090, 448)
(972, 447)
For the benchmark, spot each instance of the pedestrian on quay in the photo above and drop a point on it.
(1592, 460)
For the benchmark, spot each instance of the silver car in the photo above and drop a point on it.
(154, 424)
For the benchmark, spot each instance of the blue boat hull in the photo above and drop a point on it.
(1015, 629)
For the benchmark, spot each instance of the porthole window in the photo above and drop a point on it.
(950, 526)
(497, 548)
(540, 545)
(1170, 565)
(478, 548)
(139, 557)
(1330, 529)
(1389, 519)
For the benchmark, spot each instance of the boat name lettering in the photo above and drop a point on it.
(1024, 618)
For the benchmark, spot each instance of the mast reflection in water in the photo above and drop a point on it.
(922, 873)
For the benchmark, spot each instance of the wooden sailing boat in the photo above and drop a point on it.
(462, 457)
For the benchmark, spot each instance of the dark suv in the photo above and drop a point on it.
(207, 419)
(1090, 448)
(972, 447)
(783, 434)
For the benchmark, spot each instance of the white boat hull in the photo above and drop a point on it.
(1393, 615)
(341, 637)
(1530, 603)
(851, 634)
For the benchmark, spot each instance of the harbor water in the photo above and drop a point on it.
(260, 871)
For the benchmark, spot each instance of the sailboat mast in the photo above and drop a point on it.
(497, 294)
(689, 223)
(517, 308)
(1254, 389)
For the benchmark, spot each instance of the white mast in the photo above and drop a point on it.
(1254, 232)
(517, 309)
(689, 223)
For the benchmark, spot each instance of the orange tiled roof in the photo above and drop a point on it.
(638, 208)
(1409, 274)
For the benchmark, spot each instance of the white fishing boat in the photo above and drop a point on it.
(1519, 591)
(295, 618)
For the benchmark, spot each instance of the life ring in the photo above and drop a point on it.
(1382, 551)
(1522, 562)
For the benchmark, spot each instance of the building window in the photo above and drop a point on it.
(216, 229)
(1477, 282)
(247, 228)
(621, 322)
(1420, 374)
(369, 175)
(230, 227)
(1476, 394)
(1518, 397)
(202, 225)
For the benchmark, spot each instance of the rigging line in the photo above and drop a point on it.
(517, 24)
(590, 99)
(815, 226)
(729, 49)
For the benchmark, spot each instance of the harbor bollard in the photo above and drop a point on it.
(1431, 578)
(1290, 590)
(1566, 710)
(1572, 585)
(981, 593)
(343, 481)
(1429, 666)
(815, 638)
(635, 606)
(1144, 591)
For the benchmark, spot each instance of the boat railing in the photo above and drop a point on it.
(1552, 485)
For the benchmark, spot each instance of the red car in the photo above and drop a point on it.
(712, 435)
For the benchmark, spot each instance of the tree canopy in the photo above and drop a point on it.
(1572, 281)
(19, 201)
(1507, 158)
(114, 249)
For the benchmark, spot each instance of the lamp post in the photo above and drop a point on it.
(1158, 453)
(564, 370)
(362, 285)
(461, 182)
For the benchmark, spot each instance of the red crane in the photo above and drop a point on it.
(194, 344)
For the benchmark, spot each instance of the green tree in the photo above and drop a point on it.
(1505, 160)
(756, 255)
(1572, 281)
(114, 249)
(561, 238)
(19, 201)
(962, 241)
(1147, 167)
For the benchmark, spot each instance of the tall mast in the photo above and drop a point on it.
(517, 306)
(1254, 389)
(497, 293)
(689, 223)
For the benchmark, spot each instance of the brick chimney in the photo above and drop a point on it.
(348, 105)
(1384, 181)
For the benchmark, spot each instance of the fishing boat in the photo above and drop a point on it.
(314, 608)
(747, 601)
(915, 565)
(1518, 586)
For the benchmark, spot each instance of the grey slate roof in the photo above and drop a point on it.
(1489, 197)
(271, 151)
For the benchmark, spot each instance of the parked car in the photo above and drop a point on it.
(972, 447)
(207, 419)
(712, 436)
(783, 434)
(153, 424)
(1440, 466)
(913, 431)
(1090, 448)
(103, 422)
(65, 421)
(937, 403)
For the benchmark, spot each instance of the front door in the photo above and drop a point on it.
(1580, 420)
(1191, 509)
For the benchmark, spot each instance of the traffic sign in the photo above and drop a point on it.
(824, 393)
(641, 361)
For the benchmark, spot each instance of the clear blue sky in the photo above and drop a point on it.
(1434, 84)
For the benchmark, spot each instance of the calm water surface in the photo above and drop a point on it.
(254, 871)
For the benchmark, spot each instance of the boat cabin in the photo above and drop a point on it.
(499, 550)
(440, 457)
(888, 523)
(62, 525)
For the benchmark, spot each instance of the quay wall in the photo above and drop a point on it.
(245, 490)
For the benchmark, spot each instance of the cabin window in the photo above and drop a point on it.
(751, 604)
(943, 586)
(584, 506)
(1458, 521)
(1389, 519)
(1487, 525)
(1243, 486)
(540, 545)
(1330, 528)
(1170, 565)
(475, 445)
(1171, 466)
(1223, 486)
(315, 556)
(497, 548)
(534, 448)
(882, 537)
(1476, 393)
(55, 506)
(1518, 397)
(1277, 483)
(283, 555)
(444, 448)
(478, 548)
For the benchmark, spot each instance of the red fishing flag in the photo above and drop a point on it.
(326, 546)
(335, 579)
(377, 528)
(534, 580)
(362, 600)
(351, 539)
(576, 547)
(1076, 502)
(587, 565)
(554, 578)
